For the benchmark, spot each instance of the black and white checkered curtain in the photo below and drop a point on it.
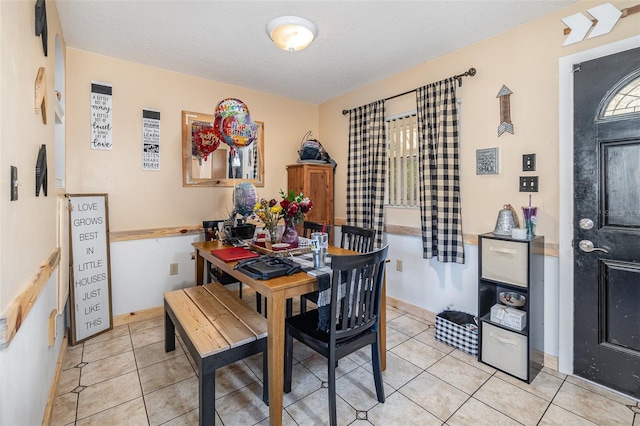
(366, 168)
(440, 209)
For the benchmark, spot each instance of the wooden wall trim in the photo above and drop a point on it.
(138, 316)
(143, 234)
(53, 390)
(15, 314)
(550, 249)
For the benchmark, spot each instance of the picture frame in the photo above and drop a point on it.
(223, 167)
(487, 161)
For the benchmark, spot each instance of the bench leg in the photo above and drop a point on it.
(169, 333)
(207, 392)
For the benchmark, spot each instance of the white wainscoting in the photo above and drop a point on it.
(140, 271)
(28, 364)
(140, 275)
(434, 286)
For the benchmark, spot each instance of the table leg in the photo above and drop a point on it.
(199, 268)
(275, 346)
(383, 324)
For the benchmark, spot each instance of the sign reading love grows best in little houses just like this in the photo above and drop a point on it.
(90, 277)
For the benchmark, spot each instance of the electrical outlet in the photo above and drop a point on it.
(173, 269)
(398, 265)
(528, 183)
(528, 162)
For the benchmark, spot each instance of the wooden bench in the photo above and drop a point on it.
(218, 329)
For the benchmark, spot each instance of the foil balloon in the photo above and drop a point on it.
(233, 123)
(244, 198)
(231, 106)
(238, 130)
(204, 138)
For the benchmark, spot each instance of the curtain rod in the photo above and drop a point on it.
(470, 73)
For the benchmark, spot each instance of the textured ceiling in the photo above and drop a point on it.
(359, 42)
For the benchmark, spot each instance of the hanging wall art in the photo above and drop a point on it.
(150, 139)
(487, 161)
(505, 111)
(101, 116)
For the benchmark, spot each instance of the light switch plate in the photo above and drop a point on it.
(528, 183)
(528, 162)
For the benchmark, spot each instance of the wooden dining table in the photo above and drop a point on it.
(277, 291)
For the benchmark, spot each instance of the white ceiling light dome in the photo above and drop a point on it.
(292, 33)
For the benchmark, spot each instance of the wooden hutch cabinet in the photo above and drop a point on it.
(316, 182)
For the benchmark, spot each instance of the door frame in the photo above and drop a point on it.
(565, 181)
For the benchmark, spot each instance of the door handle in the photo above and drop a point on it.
(587, 246)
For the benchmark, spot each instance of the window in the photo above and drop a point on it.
(402, 178)
(625, 101)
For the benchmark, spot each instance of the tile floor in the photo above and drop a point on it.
(124, 377)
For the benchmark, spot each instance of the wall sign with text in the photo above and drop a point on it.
(150, 139)
(90, 278)
(101, 116)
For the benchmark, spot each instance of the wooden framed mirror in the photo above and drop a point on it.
(222, 167)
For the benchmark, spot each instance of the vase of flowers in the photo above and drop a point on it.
(294, 208)
(269, 213)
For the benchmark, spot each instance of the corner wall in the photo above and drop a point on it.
(28, 225)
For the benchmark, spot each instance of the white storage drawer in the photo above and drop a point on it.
(504, 261)
(505, 350)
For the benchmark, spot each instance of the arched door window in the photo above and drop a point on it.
(625, 100)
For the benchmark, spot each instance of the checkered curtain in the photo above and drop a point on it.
(440, 210)
(366, 168)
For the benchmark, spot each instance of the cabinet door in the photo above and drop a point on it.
(316, 182)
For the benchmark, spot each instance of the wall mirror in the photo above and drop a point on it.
(224, 166)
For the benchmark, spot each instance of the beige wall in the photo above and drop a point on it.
(28, 225)
(525, 60)
(151, 199)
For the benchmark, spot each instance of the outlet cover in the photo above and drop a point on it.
(528, 183)
(173, 269)
(529, 163)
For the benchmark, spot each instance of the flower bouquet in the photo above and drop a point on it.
(292, 208)
(269, 212)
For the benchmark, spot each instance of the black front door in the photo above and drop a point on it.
(607, 221)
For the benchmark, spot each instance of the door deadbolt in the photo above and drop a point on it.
(585, 223)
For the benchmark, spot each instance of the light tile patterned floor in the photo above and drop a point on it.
(124, 377)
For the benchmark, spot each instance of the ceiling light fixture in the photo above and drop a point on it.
(292, 33)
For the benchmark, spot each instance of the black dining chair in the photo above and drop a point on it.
(352, 320)
(309, 227)
(357, 239)
(353, 238)
(211, 232)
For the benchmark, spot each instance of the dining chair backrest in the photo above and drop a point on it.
(357, 239)
(360, 277)
(309, 227)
